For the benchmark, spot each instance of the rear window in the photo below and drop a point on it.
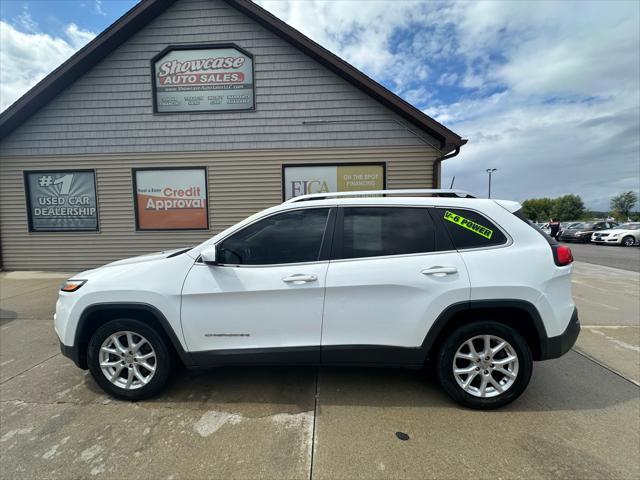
(469, 229)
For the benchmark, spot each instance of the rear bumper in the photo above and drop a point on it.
(554, 347)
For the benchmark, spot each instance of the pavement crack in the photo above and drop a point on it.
(313, 430)
(30, 368)
(597, 362)
(23, 402)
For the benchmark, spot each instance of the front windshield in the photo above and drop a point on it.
(629, 226)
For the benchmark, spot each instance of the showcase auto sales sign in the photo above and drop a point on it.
(204, 79)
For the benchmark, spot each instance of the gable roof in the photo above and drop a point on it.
(145, 11)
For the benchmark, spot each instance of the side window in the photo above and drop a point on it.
(469, 229)
(378, 231)
(289, 237)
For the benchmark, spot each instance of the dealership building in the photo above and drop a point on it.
(184, 117)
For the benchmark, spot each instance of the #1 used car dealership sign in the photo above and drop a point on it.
(61, 200)
(203, 78)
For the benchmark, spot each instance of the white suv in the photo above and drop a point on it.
(324, 279)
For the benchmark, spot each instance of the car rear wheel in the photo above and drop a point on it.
(628, 241)
(484, 365)
(129, 359)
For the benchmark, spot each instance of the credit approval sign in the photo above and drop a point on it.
(203, 78)
(171, 199)
(306, 179)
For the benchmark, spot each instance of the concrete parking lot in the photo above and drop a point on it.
(579, 418)
(625, 258)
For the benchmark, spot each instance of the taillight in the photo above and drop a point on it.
(562, 255)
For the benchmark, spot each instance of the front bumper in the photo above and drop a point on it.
(555, 347)
(72, 353)
(605, 240)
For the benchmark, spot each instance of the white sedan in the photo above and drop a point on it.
(627, 234)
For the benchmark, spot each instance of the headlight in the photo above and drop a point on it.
(72, 285)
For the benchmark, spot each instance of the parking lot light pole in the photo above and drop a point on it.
(490, 171)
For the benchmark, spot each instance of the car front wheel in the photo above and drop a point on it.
(628, 241)
(484, 365)
(129, 359)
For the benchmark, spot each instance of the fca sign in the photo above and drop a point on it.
(303, 187)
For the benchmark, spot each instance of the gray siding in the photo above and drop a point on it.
(109, 110)
(241, 182)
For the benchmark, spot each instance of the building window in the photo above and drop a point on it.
(171, 198)
(324, 178)
(61, 200)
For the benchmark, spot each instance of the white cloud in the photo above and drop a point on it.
(26, 57)
(78, 38)
(549, 150)
(567, 118)
(25, 20)
(98, 8)
(547, 92)
(362, 33)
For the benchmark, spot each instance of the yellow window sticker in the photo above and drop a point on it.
(468, 224)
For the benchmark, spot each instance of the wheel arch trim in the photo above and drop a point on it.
(444, 319)
(90, 310)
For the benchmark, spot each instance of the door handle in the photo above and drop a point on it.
(300, 278)
(439, 271)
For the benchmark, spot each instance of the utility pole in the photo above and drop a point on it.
(490, 171)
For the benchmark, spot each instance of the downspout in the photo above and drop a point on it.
(435, 175)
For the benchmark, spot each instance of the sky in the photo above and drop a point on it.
(548, 93)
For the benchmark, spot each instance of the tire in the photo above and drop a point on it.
(155, 368)
(513, 387)
(628, 241)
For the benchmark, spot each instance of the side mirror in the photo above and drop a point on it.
(209, 255)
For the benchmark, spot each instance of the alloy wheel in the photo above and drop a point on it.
(128, 360)
(485, 366)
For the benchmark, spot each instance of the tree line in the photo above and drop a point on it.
(571, 207)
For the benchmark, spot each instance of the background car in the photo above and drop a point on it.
(581, 232)
(564, 226)
(627, 234)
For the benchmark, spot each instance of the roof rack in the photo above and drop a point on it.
(403, 192)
